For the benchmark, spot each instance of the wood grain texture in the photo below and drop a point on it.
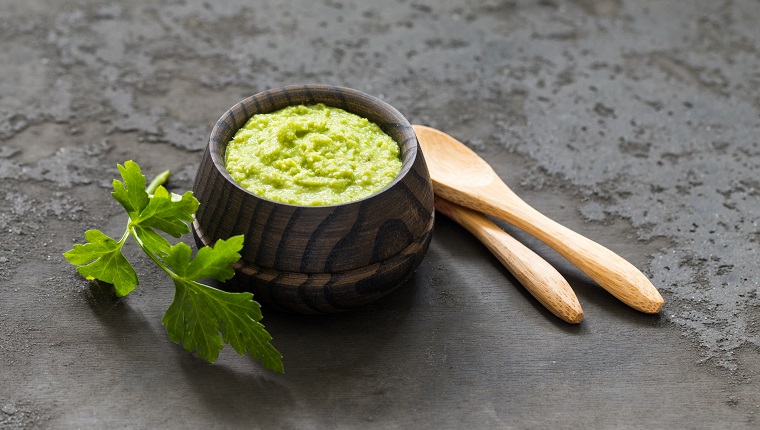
(313, 293)
(461, 176)
(283, 242)
(539, 277)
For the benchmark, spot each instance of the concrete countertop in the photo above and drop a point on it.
(633, 122)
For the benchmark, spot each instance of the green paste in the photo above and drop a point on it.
(312, 156)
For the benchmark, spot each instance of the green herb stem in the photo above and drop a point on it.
(131, 231)
(124, 238)
(159, 180)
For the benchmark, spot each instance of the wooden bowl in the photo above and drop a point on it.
(318, 259)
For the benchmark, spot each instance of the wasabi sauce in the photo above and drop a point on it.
(312, 155)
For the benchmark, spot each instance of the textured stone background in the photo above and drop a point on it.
(633, 122)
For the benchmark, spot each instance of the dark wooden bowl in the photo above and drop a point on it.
(317, 259)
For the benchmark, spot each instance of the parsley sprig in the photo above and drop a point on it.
(201, 317)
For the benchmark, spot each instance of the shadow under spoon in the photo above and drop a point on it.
(539, 277)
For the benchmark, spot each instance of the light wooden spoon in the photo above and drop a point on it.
(540, 278)
(461, 176)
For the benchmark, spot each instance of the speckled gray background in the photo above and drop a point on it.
(634, 122)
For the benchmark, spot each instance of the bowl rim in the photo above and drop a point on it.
(409, 146)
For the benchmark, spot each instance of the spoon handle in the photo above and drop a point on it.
(539, 277)
(611, 271)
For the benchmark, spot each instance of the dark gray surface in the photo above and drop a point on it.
(635, 123)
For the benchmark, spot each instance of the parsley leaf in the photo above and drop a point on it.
(199, 312)
(131, 193)
(101, 259)
(152, 240)
(211, 262)
(168, 212)
(201, 317)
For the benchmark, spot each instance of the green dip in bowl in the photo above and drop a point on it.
(312, 155)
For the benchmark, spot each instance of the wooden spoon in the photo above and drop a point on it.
(539, 277)
(461, 176)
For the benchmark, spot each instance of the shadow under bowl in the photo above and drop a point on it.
(318, 259)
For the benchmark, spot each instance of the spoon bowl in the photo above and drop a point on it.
(461, 176)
